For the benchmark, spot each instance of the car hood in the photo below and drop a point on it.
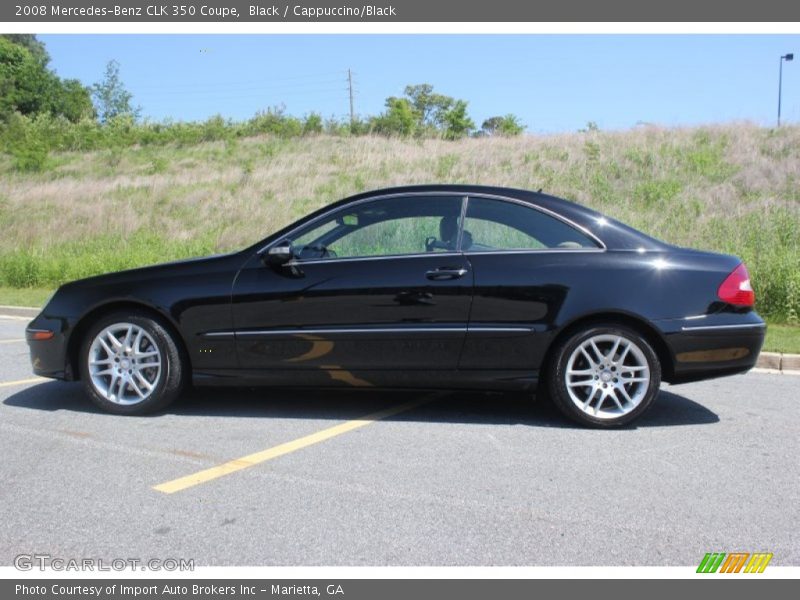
(158, 271)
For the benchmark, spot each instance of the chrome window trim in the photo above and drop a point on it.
(542, 251)
(465, 196)
(314, 261)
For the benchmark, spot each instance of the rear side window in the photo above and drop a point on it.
(496, 225)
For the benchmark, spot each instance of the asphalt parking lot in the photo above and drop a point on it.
(259, 477)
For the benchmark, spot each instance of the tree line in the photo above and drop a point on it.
(41, 112)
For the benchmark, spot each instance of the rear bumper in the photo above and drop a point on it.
(713, 346)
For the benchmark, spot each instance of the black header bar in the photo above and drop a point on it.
(400, 11)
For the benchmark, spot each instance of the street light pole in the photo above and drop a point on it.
(787, 58)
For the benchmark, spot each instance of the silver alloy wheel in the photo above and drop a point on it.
(607, 376)
(124, 364)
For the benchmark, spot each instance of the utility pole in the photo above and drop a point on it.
(787, 58)
(350, 86)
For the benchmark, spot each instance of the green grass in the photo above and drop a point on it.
(33, 297)
(35, 267)
(726, 188)
(782, 338)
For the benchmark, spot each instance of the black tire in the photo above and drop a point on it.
(557, 389)
(170, 380)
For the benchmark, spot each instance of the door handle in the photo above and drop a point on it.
(445, 273)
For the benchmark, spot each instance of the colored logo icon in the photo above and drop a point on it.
(734, 562)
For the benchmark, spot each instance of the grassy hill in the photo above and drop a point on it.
(732, 188)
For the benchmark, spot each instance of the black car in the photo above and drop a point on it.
(433, 286)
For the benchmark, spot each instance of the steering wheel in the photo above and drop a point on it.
(316, 251)
(324, 251)
(431, 244)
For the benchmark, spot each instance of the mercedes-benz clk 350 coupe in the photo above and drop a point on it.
(435, 286)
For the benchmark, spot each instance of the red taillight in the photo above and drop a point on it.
(736, 288)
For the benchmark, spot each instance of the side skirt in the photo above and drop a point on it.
(341, 378)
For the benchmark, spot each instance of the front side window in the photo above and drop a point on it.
(497, 225)
(389, 227)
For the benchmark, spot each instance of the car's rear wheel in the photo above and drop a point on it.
(130, 364)
(604, 376)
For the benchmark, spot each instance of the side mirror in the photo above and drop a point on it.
(279, 255)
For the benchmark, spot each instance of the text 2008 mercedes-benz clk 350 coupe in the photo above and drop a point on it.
(434, 286)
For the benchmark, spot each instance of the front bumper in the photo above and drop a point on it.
(49, 353)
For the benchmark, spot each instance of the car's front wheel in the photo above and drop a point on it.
(130, 364)
(604, 376)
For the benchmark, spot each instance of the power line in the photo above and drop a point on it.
(248, 88)
(239, 93)
(298, 80)
(254, 92)
(242, 100)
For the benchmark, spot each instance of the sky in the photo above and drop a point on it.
(553, 83)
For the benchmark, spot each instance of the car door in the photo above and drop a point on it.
(370, 286)
(524, 261)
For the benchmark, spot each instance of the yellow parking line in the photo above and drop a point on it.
(15, 318)
(22, 381)
(176, 485)
(15, 341)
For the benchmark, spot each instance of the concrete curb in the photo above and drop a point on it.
(779, 362)
(19, 311)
